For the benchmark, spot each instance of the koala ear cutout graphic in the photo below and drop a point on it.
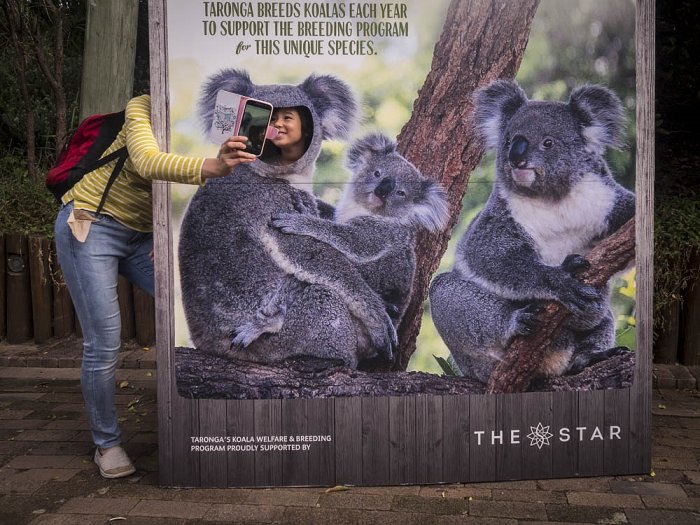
(495, 105)
(602, 116)
(364, 148)
(233, 80)
(334, 103)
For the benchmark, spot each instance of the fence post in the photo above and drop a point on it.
(19, 294)
(145, 314)
(63, 313)
(40, 279)
(3, 295)
(691, 318)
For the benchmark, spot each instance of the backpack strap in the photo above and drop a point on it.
(121, 155)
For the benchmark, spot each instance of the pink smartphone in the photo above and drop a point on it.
(240, 115)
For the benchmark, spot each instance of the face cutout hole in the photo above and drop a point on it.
(295, 128)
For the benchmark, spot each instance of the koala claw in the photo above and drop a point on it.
(586, 359)
(525, 319)
(575, 264)
(244, 335)
(285, 222)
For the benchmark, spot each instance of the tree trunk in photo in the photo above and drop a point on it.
(482, 40)
(109, 56)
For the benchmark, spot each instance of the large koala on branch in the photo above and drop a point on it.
(553, 200)
(226, 272)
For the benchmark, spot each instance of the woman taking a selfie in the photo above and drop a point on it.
(94, 248)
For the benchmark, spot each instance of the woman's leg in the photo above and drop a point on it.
(90, 271)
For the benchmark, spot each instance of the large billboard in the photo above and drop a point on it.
(432, 255)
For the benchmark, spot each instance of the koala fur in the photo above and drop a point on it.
(553, 200)
(377, 219)
(226, 271)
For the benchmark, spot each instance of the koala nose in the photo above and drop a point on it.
(385, 187)
(518, 151)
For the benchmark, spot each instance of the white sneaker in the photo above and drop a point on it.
(113, 462)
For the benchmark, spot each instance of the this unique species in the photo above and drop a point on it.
(226, 269)
(376, 221)
(553, 200)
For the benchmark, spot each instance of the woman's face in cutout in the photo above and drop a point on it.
(287, 121)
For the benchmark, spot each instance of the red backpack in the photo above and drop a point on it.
(83, 154)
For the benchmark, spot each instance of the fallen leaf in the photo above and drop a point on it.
(337, 488)
(149, 374)
(123, 384)
(662, 407)
(652, 474)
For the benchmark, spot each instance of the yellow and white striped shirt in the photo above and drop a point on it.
(130, 198)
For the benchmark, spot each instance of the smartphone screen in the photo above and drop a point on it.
(254, 123)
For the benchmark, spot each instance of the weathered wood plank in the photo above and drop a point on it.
(126, 308)
(295, 463)
(565, 453)
(213, 470)
(240, 422)
(402, 440)
(640, 395)
(375, 440)
(63, 313)
(162, 241)
(591, 416)
(537, 409)
(509, 456)
(429, 439)
(617, 414)
(456, 430)
(268, 422)
(348, 440)
(3, 294)
(42, 296)
(482, 420)
(19, 293)
(144, 314)
(321, 417)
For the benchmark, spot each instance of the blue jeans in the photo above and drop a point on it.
(91, 271)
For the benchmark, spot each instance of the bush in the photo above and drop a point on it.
(27, 206)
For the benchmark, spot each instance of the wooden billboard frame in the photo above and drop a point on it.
(406, 439)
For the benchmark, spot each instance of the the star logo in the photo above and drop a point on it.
(539, 435)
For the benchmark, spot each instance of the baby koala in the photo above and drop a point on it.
(367, 250)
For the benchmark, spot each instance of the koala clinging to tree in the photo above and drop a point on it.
(375, 227)
(554, 198)
(226, 272)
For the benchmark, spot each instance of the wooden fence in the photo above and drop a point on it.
(35, 303)
(679, 341)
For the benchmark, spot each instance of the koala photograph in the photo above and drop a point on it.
(367, 252)
(341, 246)
(554, 198)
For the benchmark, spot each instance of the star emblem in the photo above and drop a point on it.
(539, 435)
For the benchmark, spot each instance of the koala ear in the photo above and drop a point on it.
(364, 148)
(431, 210)
(495, 105)
(233, 80)
(602, 116)
(335, 104)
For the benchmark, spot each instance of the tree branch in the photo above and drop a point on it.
(203, 375)
(200, 375)
(525, 353)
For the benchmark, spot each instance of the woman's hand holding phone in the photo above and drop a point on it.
(231, 154)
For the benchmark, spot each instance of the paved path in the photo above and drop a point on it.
(47, 476)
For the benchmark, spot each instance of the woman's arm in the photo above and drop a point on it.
(151, 163)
